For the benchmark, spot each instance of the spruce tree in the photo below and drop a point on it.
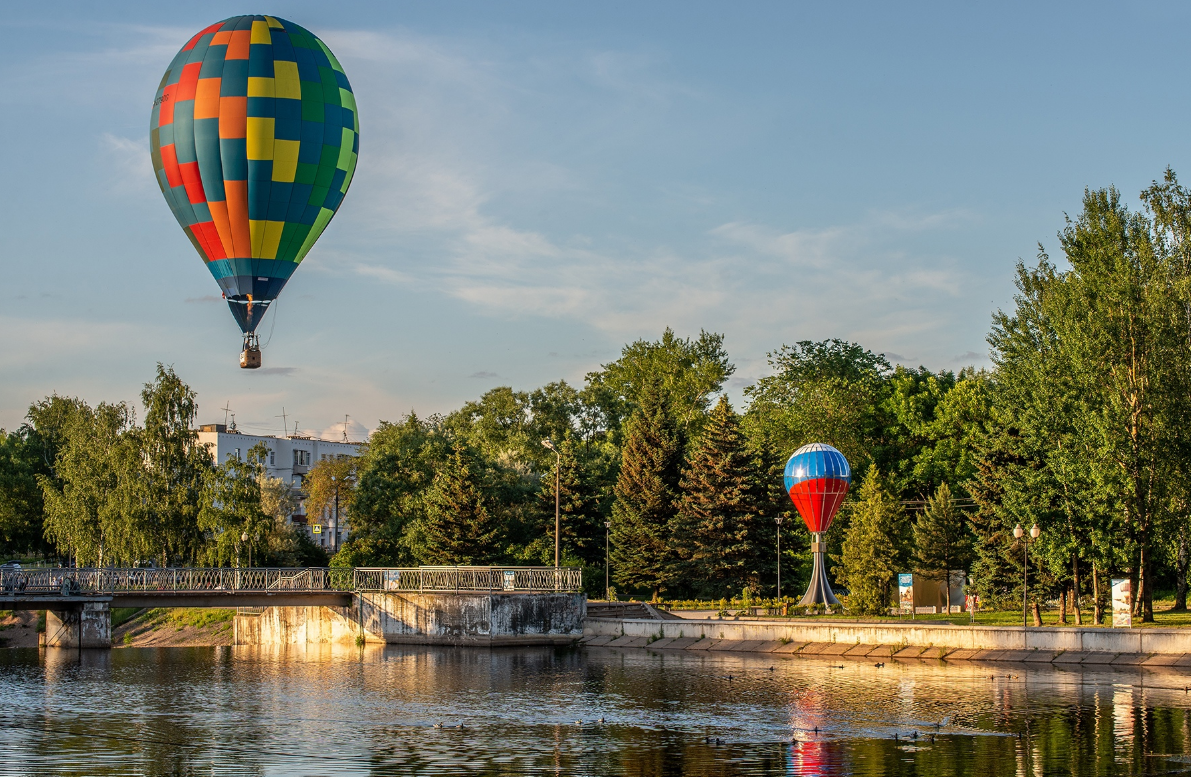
(646, 495)
(717, 530)
(942, 540)
(871, 550)
(461, 527)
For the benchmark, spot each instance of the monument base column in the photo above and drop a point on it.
(819, 590)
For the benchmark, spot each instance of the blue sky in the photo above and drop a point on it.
(540, 183)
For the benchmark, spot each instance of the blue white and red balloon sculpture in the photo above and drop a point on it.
(817, 480)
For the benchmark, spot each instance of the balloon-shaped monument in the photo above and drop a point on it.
(817, 480)
(254, 137)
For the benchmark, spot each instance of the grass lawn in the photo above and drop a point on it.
(1163, 618)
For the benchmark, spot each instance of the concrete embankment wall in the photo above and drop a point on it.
(482, 619)
(909, 633)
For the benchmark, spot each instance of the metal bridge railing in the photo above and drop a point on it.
(296, 580)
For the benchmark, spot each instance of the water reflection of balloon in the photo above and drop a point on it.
(254, 137)
(817, 480)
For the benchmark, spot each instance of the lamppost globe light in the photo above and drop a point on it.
(244, 537)
(547, 444)
(1017, 531)
(1035, 531)
(779, 520)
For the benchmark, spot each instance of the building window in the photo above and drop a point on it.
(271, 461)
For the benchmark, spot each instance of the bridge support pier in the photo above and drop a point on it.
(84, 625)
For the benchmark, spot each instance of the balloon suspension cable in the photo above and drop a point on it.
(272, 324)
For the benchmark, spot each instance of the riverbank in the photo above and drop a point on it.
(938, 640)
(176, 627)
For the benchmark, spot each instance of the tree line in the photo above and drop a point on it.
(1079, 426)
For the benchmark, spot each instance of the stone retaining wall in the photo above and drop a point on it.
(901, 640)
(441, 618)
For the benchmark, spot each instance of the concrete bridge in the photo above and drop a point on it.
(452, 605)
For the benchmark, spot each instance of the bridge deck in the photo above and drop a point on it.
(263, 587)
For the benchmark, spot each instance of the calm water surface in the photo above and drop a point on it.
(344, 711)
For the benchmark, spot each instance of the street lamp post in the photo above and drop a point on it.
(244, 539)
(607, 546)
(779, 556)
(1018, 532)
(335, 528)
(557, 496)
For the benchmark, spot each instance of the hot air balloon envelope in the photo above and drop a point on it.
(817, 480)
(254, 138)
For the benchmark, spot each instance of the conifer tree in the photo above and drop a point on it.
(717, 529)
(872, 548)
(461, 526)
(942, 540)
(646, 495)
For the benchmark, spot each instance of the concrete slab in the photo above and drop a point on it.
(1042, 656)
(933, 652)
(627, 642)
(882, 652)
(702, 644)
(1161, 659)
(962, 654)
(814, 648)
(1183, 662)
(660, 644)
(835, 649)
(988, 655)
(1098, 658)
(1069, 657)
(859, 651)
(745, 645)
(908, 652)
(726, 644)
(1017, 656)
(768, 646)
(597, 641)
(790, 647)
(1130, 659)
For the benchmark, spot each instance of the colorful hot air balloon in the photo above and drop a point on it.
(254, 136)
(817, 480)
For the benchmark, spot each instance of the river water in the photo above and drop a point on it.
(319, 710)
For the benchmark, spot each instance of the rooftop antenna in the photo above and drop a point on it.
(296, 429)
(284, 423)
(227, 408)
(232, 427)
(345, 418)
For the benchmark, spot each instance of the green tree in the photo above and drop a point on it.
(581, 526)
(330, 485)
(646, 495)
(21, 503)
(717, 531)
(873, 548)
(826, 392)
(95, 503)
(230, 509)
(942, 540)
(687, 372)
(461, 526)
(395, 472)
(174, 466)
